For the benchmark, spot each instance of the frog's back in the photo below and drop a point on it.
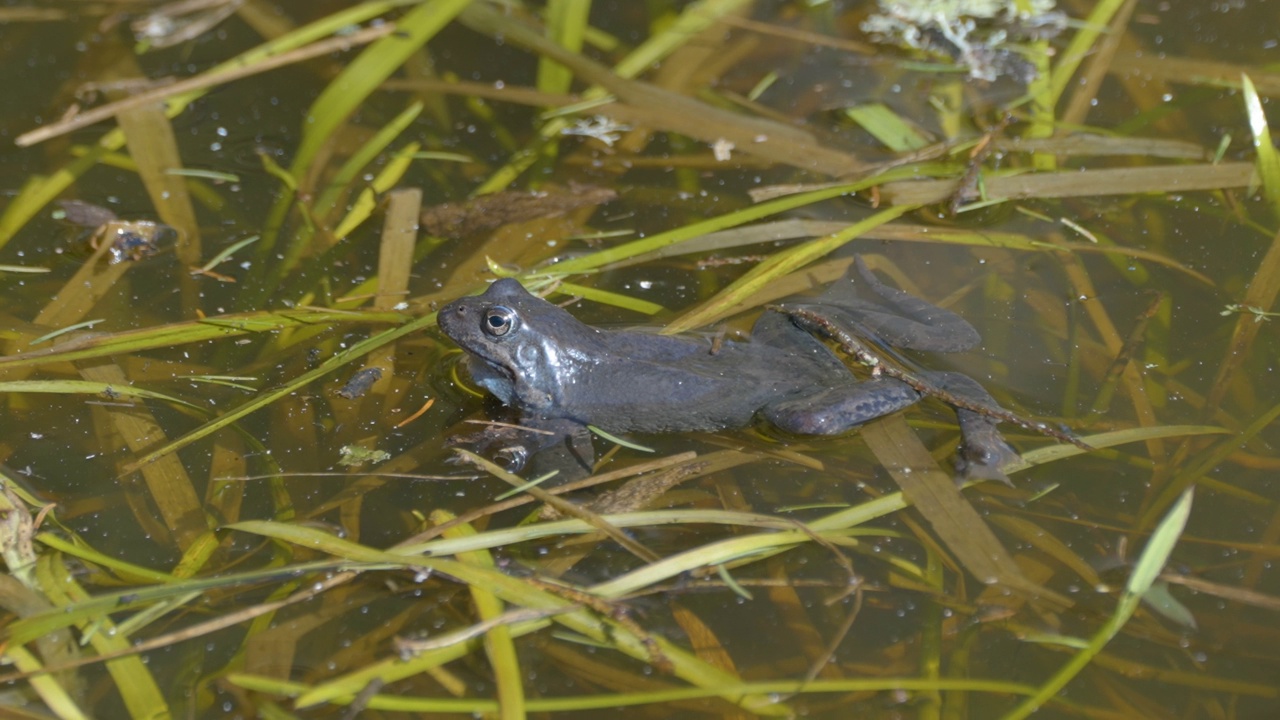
(654, 383)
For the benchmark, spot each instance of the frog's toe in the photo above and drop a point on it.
(512, 458)
(983, 450)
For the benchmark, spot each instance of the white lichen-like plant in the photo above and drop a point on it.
(973, 32)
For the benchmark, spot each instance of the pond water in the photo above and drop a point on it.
(224, 527)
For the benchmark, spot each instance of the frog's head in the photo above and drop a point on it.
(521, 348)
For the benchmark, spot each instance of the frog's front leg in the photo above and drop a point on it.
(835, 410)
(514, 445)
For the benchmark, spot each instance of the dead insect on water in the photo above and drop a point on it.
(130, 239)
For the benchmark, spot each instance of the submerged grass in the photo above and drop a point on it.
(316, 593)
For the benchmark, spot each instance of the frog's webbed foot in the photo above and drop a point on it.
(909, 322)
(840, 408)
(983, 450)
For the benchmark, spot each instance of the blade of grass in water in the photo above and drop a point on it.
(1268, 156)
(361, 77)
(213, 328)
(138, 689)
(498, 643)
(1154, 557)
(778, 265)
(152, 145)
(87, 387)
(722, 222)
(343, 178)
(57, 698)
(886, 126)
(693, 19)
(513, 590)
(383, 182)
(962, 531)
(1087, 33)
(40, 191)
(609, 298)
(349, 355)
(567, 26)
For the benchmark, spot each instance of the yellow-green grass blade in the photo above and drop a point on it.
(520, 592)
(888, 127)
(1268, 156)
(566, 22)
(370, 150)
(498, 642)
(725, 222)
(1154, 557)
(778, 265)
(138, 689)
(351, 354)
(383, 182)
(38, 625)
(362, 76)
(625, 302)
(89, 387)
(41, 190)
(191, 331)
(1080, 46)
(54, 696)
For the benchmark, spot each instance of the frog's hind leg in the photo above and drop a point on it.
(840, 408)
(983, 450)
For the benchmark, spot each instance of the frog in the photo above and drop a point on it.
(563, 376)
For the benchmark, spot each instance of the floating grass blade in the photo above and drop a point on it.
(567, 25)
(343, 178)
(362, 76)
(498, 643)
(778, 265)
(41, 190)
(1268, 156)
(213, 328)
(1150, 564)
(349, 355)
(103, 390)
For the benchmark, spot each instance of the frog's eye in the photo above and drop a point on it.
(498, 320)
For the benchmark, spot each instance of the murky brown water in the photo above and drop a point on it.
(868, 601)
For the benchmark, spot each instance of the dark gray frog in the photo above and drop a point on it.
(562, 375)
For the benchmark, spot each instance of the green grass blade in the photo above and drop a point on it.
(41, 190)
(498, 643)
(191, 331)
(89, 387)
(54, 696)
(1080, 46)
(346, 174)
(1154, 557)
(566, 22)
(724, 222)
(1268, 156)
(778, 265)
(363, 75)
(349, 355)
(886, 126)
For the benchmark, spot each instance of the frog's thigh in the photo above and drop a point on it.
(837, 409)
